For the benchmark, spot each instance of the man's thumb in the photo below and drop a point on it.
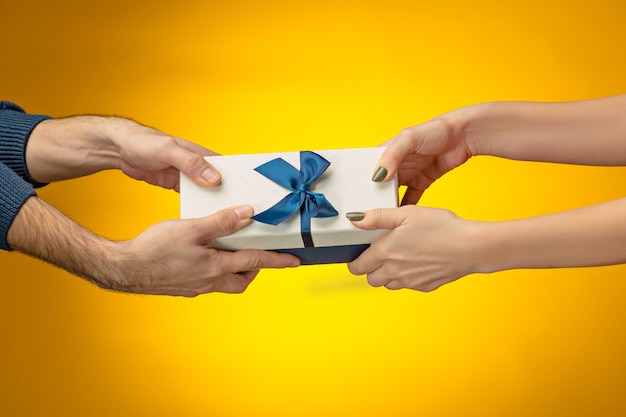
(226, 221)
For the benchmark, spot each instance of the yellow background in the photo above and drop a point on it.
(261, 76)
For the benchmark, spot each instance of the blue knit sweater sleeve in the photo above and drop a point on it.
(14, 191)
(15, 129)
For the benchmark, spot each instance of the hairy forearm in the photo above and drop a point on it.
(71, 147)
(590, 236)
(42, 231)
(591, 132)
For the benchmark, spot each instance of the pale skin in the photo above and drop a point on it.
(174, 257)
(591, 132)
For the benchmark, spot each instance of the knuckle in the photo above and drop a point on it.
(354, 269)
(393, 270)
(408, 209)
(406, 133)
(394, 286)
(413, 136)
(190, 226)
(374, 282)
(423, 286)
(393, 151)
(444, 125)
(374, 216)
(255, 261)
(191, 294)
(226, 219)
(195, 164)
(167, 145)
(239, 288)
(380, 251)
(221, 266)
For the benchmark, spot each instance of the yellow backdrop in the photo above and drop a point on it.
(266, 76)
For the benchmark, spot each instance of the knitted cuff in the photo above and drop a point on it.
(15, 129)
(14, 192)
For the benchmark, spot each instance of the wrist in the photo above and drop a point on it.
(60, 149)
(491, 251)
(113, 133)
(104, 138)
(463, 126)
(470, 126)
(42, 231)
(117, 262)
(132, 268)
(16, 128)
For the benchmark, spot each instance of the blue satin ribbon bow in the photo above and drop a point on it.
(310, 204)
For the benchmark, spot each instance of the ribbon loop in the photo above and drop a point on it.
(310, 204)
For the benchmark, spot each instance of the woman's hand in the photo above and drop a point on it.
(423, 153)
(425, 248)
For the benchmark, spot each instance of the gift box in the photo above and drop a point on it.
(300, 201)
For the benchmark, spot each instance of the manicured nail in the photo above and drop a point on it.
(355, 216)
(244, 212)
(380, 174)
(210, 176)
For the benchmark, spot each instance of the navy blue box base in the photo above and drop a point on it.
(326, 255)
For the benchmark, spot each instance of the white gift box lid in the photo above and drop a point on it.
(346, 184)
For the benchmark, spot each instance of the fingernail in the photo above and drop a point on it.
(210, 176)
(244, 212)
(380, 174)
(355, 216)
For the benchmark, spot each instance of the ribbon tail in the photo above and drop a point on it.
(321, 207)
(305, 227)
(280, 211)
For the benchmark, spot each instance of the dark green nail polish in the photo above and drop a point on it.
(380, 174)
(355, 216)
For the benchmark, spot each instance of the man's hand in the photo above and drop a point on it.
(174, 257)
(60, 149)
(177, 257)
(152, 156)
